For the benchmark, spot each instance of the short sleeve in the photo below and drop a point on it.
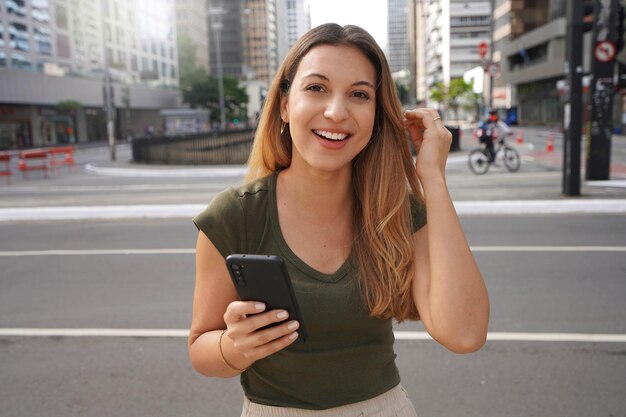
(418, 213)
(223, 222)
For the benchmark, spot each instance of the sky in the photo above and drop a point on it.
(371, 15)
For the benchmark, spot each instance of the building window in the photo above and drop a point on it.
(133, 62)
(3, 59)
(40, 10)
(19, 37)
(16, 7)
(21, 62)
(1, 35)
(63, 46)
(61, 17)
(43, 41)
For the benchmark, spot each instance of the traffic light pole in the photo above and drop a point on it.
(573, 111)
(602, 88)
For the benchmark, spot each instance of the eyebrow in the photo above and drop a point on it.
(325, 78)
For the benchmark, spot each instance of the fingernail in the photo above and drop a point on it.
(292, 325)
(282, 315)
(293, 335)
(259, 306)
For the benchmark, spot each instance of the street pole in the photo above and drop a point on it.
(492, 24)
(573, 110)
(216, 25)
(107, 93)
(602, 89)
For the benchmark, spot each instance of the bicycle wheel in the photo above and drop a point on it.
(478, 161)
(512, 160)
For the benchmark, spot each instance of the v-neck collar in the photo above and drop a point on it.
(284, 247)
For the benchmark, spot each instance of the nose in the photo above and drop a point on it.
(336, 109)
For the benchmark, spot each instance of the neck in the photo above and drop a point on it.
(322, 194)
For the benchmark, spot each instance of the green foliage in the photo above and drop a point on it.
(201, 90)
(403, 92)
(205, 94)
(190, 72)
(69, 105)
(455, 95)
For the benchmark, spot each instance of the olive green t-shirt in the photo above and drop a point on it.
(348, 356)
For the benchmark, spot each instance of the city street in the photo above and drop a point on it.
(94, 307)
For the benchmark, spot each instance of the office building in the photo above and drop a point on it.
(398, 35)
(54, 54)
(192, 25)
(529, 46)
(452, 31)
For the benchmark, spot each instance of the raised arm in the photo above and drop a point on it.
(448, 288)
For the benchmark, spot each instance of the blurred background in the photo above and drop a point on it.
(165, 67)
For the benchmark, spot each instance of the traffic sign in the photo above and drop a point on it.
(605, 51)
(493, 70)
(483, 48)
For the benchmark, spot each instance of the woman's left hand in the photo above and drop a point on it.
(431, 140)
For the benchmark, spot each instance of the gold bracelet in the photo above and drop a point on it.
(219, 344)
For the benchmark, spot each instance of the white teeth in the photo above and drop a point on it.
(331, 136)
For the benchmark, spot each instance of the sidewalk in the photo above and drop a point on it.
(104, 189)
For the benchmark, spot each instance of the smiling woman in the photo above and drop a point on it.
(335, 103)
(333, 190)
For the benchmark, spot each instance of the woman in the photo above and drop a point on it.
(327, 191)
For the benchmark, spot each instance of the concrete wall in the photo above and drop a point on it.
(20, 87)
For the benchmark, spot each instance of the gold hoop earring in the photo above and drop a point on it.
(282, 127)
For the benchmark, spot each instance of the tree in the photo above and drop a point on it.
(205, 94)
(189, 70)
(201, 90)
(458, 93)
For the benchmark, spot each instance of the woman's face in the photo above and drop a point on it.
(330, 107)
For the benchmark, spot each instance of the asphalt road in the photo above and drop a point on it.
(547, 275)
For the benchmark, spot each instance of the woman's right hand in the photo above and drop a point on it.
(250, 341)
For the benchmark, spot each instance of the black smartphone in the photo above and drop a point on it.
(264, 278)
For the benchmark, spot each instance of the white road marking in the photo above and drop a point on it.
(159, 211)
(191, 251)
(177, 172)
(399, 335)
(100, 188)
(548, 248)
(529, 337)
(87, 252)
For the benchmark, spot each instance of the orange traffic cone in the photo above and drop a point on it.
(520, 137)
(550, 144)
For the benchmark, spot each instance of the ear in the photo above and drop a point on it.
(284, 108)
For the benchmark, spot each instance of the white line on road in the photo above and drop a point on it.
(87, 252)
(157, 211)
(177, 172)
(130, 187)
(188, 251)
(548, 248)
(399, 335)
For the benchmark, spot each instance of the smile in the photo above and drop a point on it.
(331, 136)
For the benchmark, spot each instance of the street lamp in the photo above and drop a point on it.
(216, 24)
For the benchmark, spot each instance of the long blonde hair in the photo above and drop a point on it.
(380, 174)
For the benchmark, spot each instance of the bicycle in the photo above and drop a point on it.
(480, 158)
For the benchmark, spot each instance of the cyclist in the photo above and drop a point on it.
(493, 128)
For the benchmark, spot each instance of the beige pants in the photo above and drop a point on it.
(393, 403)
